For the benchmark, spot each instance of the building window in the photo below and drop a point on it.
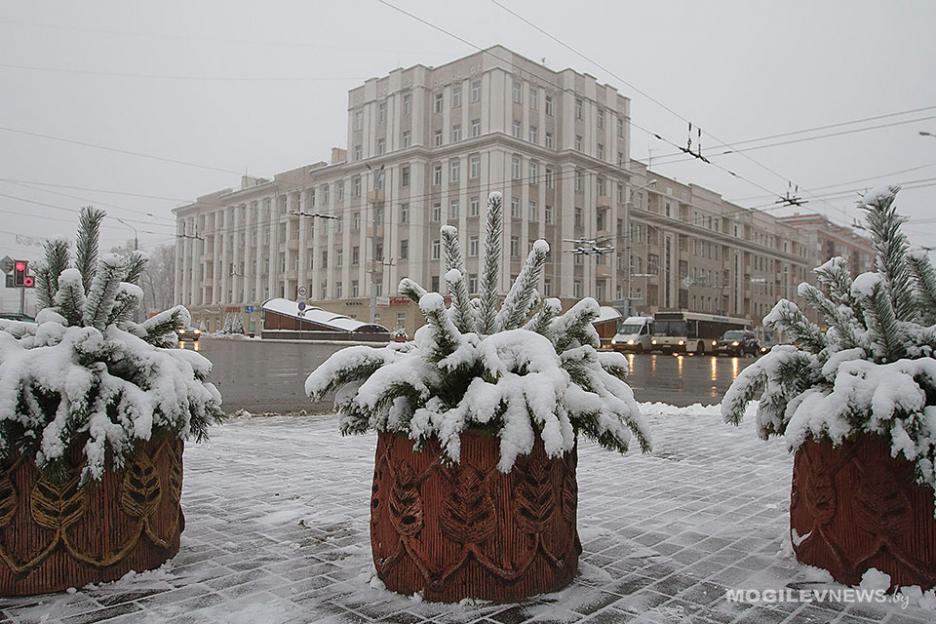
(620, 159)
(404, 249)
(534, 92)
(514, 247)
(601, 153)
(355, 221)
(473, 284)
(474, 166)
(515, 129)
(407, 138)
(549, 214)
(549, 105)
(514, 207)
(549, 140)
(455, 170)
(339, 191)
(579, 181)
(378, 215)
(577, 287)
(550, 179)
(324, 259)
(578, 217)
(381, 146)
(435, 249)
(339, 258)
(515, 168)
(474, 207)
(324, 290)
(456, 133)
(456, 96)
(407, 104)
(475, 93)
(356, 187)
(378, 249)
(356, 155)
(578, 142)
(404, 213)
(359, 120)
(620, 127)
(517, 92)
(382, 112)
(436, 215)
(355, 289)
(578, 109)
(355, 255)
(473, 247)
(531, 211)
(437, 138)
(404, 176)
(533, 172)
(534, 136)
(601, 119)
(454, 206)
(475, 128)
(436, 175)
(437, 103)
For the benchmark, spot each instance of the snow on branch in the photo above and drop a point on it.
(518, 371)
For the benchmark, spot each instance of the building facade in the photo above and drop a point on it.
(425, 148)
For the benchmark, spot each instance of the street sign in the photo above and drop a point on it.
(302, 291)
(248, 309)
(9, 281)
(6, 264)
(302, 306)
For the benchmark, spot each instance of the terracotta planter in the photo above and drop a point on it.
(854, 507)
(455, 531)
(56, 535)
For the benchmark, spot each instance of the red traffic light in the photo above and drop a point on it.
(29, 281)
(20, 265)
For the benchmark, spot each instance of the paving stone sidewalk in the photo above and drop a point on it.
(277, 532)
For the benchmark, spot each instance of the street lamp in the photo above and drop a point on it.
(627, 236)
(929, 134)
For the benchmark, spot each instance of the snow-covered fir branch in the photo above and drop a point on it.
(518, 371)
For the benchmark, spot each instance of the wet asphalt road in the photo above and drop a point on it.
(268, 376)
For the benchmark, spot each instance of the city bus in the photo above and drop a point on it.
(678, 331)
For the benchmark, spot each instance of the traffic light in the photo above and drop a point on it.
(19, 273)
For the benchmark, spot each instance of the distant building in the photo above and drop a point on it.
(425, 148)
(824, 239)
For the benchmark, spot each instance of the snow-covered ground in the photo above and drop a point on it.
(277, 532)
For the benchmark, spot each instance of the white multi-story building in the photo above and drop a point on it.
(425, 148)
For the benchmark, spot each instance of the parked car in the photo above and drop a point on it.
(738, 342)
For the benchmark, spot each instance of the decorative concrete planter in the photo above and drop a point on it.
(854, 507)
(466, 530)
(56, 535)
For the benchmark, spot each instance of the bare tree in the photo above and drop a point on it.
(157, 279)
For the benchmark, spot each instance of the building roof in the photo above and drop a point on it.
(330, 321)
(607, 313)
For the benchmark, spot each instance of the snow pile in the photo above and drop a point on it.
(517, 371)
(872, 371)
(85, 374)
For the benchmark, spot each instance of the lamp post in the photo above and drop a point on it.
(927, 134)
(627, 237)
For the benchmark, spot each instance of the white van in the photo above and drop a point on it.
(633, 334)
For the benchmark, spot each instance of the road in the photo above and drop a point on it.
(268, 376)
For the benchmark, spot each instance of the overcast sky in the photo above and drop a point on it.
(261, 87)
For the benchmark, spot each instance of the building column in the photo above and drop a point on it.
(274, 246)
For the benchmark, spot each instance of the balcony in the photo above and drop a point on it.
(292, 244)
(375, 230)
(375, 197)
(603, 201)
